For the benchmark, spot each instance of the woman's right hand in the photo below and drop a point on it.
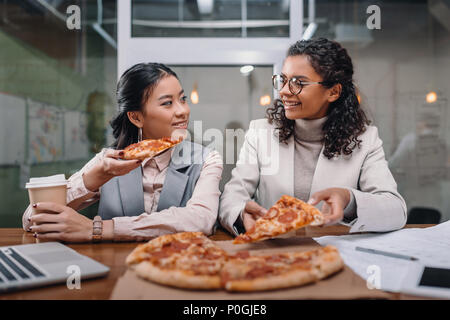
(108, 167)
(252, 212)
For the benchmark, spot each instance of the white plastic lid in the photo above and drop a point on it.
(43, 182)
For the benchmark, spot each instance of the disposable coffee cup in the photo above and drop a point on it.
(47, 189)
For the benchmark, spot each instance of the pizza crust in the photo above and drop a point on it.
(328, 263)
(176, 278)
(291, 279)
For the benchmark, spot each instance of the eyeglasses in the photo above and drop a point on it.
(295, 84)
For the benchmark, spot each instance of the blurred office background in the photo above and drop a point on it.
(57, 86)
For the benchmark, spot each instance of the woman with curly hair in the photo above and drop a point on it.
(323, 149)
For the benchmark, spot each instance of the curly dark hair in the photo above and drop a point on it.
(346, 120)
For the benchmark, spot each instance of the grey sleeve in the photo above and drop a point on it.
(350, 209)
(238, 226)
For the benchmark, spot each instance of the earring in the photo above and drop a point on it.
(139, 134)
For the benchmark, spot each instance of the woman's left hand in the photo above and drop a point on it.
(60, 223)
(335, 200)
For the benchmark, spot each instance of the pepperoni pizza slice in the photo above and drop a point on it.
(245, 272)
(186, 260)
(287, 214)
(148, 148)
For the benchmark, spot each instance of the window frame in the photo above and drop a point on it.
(203, 51)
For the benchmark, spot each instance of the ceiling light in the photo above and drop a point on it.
(194, 95)
(431, 97)
(247, 69)
(264, 100)
(205, 6)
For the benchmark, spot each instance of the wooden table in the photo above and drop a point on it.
(113, 255)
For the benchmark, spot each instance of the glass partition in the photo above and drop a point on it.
(402, 71)
(210, 18)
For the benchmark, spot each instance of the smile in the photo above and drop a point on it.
(181, 125)
(291, 104)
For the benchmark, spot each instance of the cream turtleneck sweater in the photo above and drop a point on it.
(308, 137)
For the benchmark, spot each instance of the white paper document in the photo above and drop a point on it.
(431, 246)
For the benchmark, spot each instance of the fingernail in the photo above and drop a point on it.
(29, 219)
(35, 235)
(311, 201)
(34, 205)
(29, 230)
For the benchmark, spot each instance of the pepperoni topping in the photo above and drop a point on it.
(178, 245)
(211, 256)
(272, 213)
(160, 254)
(259, 272)
(154, 144)
(288, 216)
(197, 241)
(275, 258)
(174, 247)
(242, 255)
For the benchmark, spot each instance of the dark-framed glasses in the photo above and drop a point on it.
(295, 84)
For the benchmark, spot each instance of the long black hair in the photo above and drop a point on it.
(346, 120)
(133, 90)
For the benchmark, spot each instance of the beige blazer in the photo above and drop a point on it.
(265, 171)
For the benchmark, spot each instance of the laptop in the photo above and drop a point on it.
(33, 265)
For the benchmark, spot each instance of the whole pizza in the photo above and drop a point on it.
(192, 261)
(148, 148)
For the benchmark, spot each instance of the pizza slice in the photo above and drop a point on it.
(287, 214)
(244, 272)
(184, 260)
(148, 148)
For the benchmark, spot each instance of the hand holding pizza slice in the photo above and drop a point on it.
(287, 214)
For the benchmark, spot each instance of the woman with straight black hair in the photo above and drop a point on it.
(324, 151)
(175, 191)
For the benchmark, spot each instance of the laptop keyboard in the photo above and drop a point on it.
(22, 269)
